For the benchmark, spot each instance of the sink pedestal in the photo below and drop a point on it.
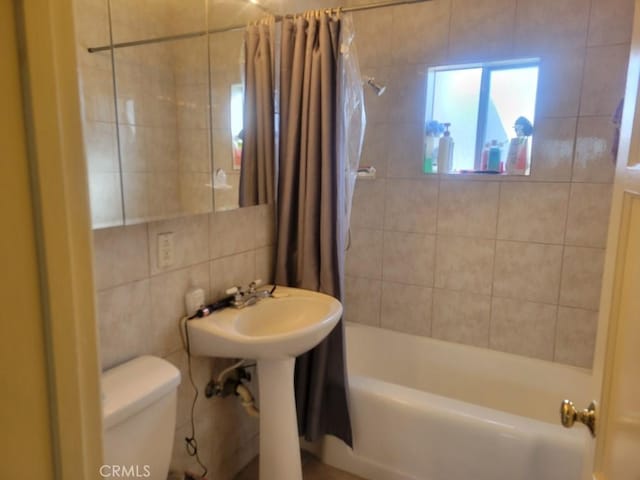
(279, 442)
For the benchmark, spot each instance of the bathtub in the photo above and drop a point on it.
(425, 409)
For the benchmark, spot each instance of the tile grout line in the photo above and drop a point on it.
(436, 235)
(493, 266)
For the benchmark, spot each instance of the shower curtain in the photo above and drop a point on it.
(313, 204)
(257, 171)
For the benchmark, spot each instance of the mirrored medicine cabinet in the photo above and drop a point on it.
(162, 102)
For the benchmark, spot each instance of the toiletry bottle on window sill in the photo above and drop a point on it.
(495, 155)
(445, 151)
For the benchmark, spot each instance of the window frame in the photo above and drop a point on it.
(485, 90)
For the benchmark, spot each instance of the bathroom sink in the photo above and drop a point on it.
(286, 325)
(273, 331)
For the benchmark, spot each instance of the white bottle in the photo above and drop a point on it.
(445, 151)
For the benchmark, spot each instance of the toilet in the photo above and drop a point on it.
(139, 401)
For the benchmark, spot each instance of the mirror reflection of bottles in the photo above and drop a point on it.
(445, 151)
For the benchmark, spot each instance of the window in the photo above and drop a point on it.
(237, 123)
(490, 109)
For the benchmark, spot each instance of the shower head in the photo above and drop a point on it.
(379, 89)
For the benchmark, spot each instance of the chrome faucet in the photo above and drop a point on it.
(250, 296)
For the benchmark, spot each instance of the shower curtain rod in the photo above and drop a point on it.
(369, 6)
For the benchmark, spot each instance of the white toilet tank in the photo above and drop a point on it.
(139, 416)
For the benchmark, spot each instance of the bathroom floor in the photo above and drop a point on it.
(312, 469)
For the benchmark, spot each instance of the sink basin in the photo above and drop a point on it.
(273, 331)
(288, 325)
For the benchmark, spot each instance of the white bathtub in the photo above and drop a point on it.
(430, 410)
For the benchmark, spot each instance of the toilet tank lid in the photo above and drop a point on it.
(132, 386)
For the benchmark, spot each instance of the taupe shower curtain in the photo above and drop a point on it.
(257, 171)
(310, 250)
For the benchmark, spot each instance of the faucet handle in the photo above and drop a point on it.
(255, 284)
(233, 291)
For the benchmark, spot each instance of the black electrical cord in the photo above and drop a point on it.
(191, 444)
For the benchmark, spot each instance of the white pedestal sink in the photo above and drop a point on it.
(274, 331)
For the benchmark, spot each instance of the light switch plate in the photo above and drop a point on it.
(166, 256)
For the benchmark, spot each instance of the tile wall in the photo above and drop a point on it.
(163, 112)
(140, 304)
(511, 264)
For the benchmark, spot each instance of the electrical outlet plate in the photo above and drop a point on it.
(166, 252)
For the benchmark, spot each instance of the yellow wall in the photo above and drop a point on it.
(24, 414)
(50, 408)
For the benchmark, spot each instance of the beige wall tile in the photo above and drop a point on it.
(168, 292)
(559, 83)
(481, 30)
(133, 142)
(192, 106)
(225, 430)
(202, 371)
(121, 255)
(523, 328)
(265, 225)
(362, 300)
(221, 98)
(464, 264)
(222, 153)
(545, 24)
(588, 219)
(406, 308)
(368, 204)
(101, 149)
(552, 149)
(136, 195)
(373, 33)
(605, 75)
(265, 264)
(461, 317)
(164, 195)
(162, 150)
(594, 161)
(191, 241)
(235, 270)
(576, 336)
(193, 151)
(375, 149)
(124, 323)
(195, 193)
(91, 23)
(225, 50)
(408, 258)
(534, 212)
(411, 205)
(406, 150)
(232, 232)
(364, 256)
(407, 93)
(96, 85)
(468, 208)
(527, 271)
(431, 19)
(105, 196)
(581, 277)
(377, 107)
(611, 22)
